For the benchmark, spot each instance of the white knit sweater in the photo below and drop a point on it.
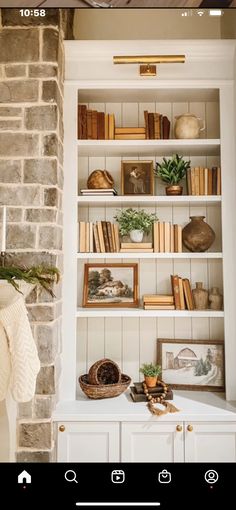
(19, 361)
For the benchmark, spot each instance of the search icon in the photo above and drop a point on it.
(70, 476)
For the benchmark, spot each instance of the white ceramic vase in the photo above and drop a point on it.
(136, 236)
(188, 126)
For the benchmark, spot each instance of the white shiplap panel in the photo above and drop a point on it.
(80, 281)
(96, 340)
(100, 107)
(183, 328)
(113, 166)
(165, 327)
(215, 274)
(148, 343)
(147, 276)
(130, 114)
(83, 172)
(82, 331)
(96, 163)
(115, 108)
(217, 329)
(213, 218)
(113, 339)
(212, 120)
(199, 109)
(200, 329)
(130, 333)
(199, 272)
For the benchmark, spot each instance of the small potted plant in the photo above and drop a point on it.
(135, 223)
(172, 171)
(151, 373)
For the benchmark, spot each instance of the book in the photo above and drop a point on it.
(91, 247)
(209, 181)
(89, 125)
(105, 236)
(181, 294)
(159, 307)
(106, 126)
(166, 237)
(192, 172)
(157, 126)
(109, 233)
(178, 238)
(100, 237)
(175, 288)
(218, 191)
(97, 191)
(87, 247)
(101, 125)
(156, 237)
(136, 245)
(188, 181)
(94, 125)
(201, 180)
(136, 250)
(82, 235)
(117, 236)
(113, 237)
(146, 124)
(161, 237)
(172, 239)
(131, 137)
(151, 126)
(96, 239)
(130, 131)
(163, 298)
(82, 122)
(111, 126)
(166, 128)
(214, 180)
(197, 180)
(205, 181)
(188, 294)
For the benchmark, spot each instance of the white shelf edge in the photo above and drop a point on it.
(198, 142)
(150, 200)
(118, 255)
(139, 312)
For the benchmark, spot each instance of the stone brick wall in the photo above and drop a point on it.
(31, 184)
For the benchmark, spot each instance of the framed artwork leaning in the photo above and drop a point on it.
(137, 178)
(110, 285)
(192, 364)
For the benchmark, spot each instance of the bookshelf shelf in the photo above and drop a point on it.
(181, 256)
(139, 313)
(208, 147)
(118, 201)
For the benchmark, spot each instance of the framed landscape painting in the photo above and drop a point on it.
(192, 364)
(110, 285)
(137, 178)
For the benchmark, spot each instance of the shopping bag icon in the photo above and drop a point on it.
(164, 476)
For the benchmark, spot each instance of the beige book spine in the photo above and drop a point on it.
(136, 250)
(172, 239)
(106, 126)
(201, 180)
(100, 237)
(96, 239)
(205, 181)
(193, 180)
(156, 244)
(117, 236)
(133, 136)
(87, 238)
(197, 181)
(91, 249)
(113, 237)
(82, 236)
(130, 130)
(159, 307)
(167, 236)
(179, 237)
(181, 294)
(161, 237)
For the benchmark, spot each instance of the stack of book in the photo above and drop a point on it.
(204, 181)
(99, 237)
(167, 238)
(158, 302)
(102, 192)
(130, 133)
(136, 248)
(93, 125)
(157, 126)
(183, 297)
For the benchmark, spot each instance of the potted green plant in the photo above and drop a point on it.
(151, 373)
(172, 171)
(135, 223)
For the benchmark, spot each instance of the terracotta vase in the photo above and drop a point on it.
(215, 299)
(200, 297)
(174, 190)
(197, 235)
(151, 382)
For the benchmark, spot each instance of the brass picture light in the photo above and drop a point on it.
(147, 62)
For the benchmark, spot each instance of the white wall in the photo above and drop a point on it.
(144, 24)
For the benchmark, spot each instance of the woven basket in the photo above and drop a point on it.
(104, 371)
(97, 391)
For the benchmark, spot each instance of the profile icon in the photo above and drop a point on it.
(211, 476)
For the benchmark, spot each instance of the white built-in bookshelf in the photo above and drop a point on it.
(129, 336)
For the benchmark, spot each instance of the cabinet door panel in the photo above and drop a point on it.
(89, 442)
(211, 442)
(155, 442)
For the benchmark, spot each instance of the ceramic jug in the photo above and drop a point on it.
(215, 299)
(200, 297)
(188, 126)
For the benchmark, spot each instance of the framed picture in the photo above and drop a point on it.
(110, 285)
(137, 178)
(192, 364)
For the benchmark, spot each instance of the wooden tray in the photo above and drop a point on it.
(140, 397)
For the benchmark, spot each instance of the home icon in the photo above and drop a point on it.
(24, 477)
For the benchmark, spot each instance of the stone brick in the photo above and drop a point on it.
(41, 215)
(25, 410)
(46, 381)
(43, 407)
(35, 435)
(43, 171)
(50, 45)
(10, 111)
(20, 195)
(12, 17)
(60, 177)
(41, 313)
(50, 91)
(29, 259)
(51, 197)
(17, 45)
(41, 117)
(28, 456)
(13, 71)
(50, 145)
(45, 297)
(42, 70)
(50, 237)
(10, 171)
(47, 342)
(10, 125)
(21, 236)
(17, 91)
(14, 214)
(18, 144)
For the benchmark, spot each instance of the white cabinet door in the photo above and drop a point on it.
(88, 442)
(152, 442)
(210, 442)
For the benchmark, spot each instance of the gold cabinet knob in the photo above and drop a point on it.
(179, 428)
(190, 428)
(62, 428)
